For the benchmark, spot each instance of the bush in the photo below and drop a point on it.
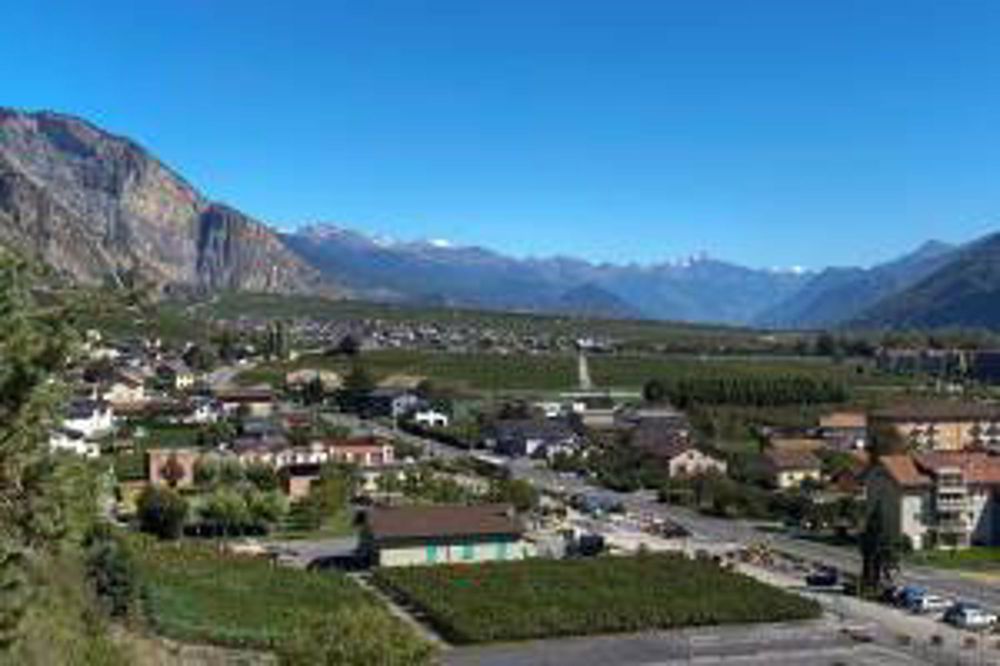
(110, 570)
(161, 512)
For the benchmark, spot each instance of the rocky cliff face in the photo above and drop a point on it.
(94, 206)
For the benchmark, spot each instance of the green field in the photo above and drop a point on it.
(558, 372)
(544, 598)
(977, 558)
(193, 593)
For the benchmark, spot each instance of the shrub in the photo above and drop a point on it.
(110, 570)
(161, 512)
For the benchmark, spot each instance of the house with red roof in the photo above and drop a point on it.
(939, 499)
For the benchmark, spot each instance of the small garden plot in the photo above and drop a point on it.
(195, 594)
(545, 598)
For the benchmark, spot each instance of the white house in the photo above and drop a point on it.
(64, 439)
(431, 418)
(91, 418)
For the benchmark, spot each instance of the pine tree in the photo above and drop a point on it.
(35, 345)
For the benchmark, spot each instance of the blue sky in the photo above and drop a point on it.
(768, 133)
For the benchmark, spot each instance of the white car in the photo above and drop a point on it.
(930, 603)
(967, 616)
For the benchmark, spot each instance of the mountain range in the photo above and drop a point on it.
(97, 207)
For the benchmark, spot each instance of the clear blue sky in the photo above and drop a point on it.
(769, 133)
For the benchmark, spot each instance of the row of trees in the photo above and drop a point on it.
(746, 389)
(234, 500)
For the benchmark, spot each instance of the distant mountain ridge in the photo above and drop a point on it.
(839, 295)
(97, 207)
(699, 289)
(964, 292)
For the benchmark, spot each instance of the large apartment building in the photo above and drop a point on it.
(939, 499)
(943, 425)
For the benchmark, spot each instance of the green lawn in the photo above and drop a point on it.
(193, 593)
(977, 558)
(544, 598)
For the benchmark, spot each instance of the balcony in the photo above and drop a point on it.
(951, 503)
(951, 524)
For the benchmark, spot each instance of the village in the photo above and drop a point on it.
(325, 469)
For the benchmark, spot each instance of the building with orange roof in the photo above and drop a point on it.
(939, 499)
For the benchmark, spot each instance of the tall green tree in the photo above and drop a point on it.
(35, 347)
(879, 552)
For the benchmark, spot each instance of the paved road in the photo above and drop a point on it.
(302, 552)
(801, 644)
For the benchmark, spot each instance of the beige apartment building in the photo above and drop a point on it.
(939, 499)
(944, 425)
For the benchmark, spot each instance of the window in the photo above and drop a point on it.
(468, 551)
(432, 554)
(501, 552)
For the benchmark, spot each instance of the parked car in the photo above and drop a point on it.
(906, 596)
(823, 578)
(969, 616)
(930, 603)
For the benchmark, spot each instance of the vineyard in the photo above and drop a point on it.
(195, 594)
(546, 598)
(753, 387)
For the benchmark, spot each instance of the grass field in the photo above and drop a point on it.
(551, 372)
(977, 558)
(544, 598)
(194, 594)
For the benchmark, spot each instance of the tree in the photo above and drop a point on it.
(172, 470)
(225, 510)
(356, 636)
(879, 553)
(357, 389)
(826, 345)
(35, 347)
(517, 492)
(654, 391)
(313, 392)
(333, 489)
(277, 344)
(347, 346)
(262, 476)
(206, 471)
(162, 512)
(884, 440)
(200, 358)
(266, 508)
